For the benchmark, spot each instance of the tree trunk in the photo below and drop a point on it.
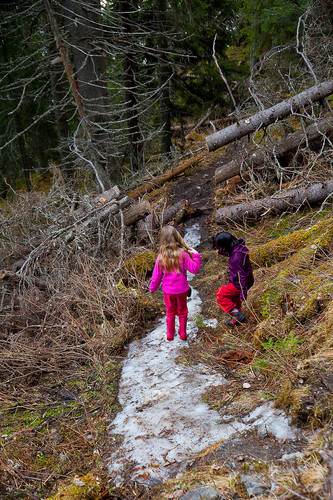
(87, 86)
(134, 132)
(18, 127)
(290, 143)
(164, 74)
(268, 116)
(84, 24)
(280, 202)
(58, 93)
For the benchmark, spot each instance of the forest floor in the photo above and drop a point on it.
(60, 428)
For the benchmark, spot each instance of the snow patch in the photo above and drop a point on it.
(267, 419)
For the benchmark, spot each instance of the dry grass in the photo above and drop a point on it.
(64, 322)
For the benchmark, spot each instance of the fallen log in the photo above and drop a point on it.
(286, 145)
(177, 212)
(106, 196)
(268, 116)
(280, 202)
(136, 212)
(158, 181)
(146, 227)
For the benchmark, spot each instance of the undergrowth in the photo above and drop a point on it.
(65, 317)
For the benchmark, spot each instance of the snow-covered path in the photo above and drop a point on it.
(163, 421)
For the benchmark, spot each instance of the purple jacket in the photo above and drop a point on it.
(175, 282)
(241, 274)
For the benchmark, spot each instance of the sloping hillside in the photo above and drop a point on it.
(83, 297)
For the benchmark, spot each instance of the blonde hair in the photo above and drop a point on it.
(170, 247)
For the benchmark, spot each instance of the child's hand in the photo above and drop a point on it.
(191, 250)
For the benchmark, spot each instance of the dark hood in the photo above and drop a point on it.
(239, 247)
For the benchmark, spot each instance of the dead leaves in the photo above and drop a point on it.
(237, 356)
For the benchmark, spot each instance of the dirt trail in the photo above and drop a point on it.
(198, 188)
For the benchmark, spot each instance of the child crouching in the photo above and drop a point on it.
(230, 297)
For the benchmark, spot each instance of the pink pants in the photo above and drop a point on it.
(176, 304)
(228, 297)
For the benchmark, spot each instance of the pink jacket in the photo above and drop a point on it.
(175, 282)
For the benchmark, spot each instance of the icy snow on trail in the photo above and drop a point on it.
(163, 421)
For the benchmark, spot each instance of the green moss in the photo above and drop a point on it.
(141, 264)
(312, 240)
(85, 488)
(122, 289)
(297, 220)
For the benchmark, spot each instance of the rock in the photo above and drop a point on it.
(254, 486)
(203, 493)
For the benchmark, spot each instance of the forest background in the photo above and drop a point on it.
(97, 87)
(95, 94)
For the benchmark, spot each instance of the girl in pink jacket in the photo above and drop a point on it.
(174, 258)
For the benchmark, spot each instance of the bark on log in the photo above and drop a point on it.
(137, 212)
(290, 143)
(146, 227)
(100, 216)
(178, 212)
(158, 181)
(280, 202)
(268, 116)
(111, 194)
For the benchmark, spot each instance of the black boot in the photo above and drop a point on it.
(236, 317)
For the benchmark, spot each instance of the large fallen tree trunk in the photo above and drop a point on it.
(281, 202)
(290, 143)
(268, 116)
